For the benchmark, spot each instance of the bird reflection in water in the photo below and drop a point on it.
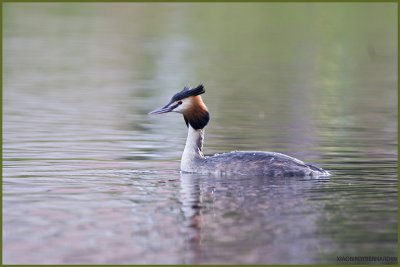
(190, 197)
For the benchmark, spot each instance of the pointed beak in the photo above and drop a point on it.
(162, 110)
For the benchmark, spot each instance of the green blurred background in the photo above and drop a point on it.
(317, 81)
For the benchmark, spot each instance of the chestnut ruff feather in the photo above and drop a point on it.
(197, 120)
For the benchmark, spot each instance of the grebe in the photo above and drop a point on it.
(189, 103)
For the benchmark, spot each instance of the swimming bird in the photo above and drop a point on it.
(189, 103)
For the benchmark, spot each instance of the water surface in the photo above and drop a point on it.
(89, 177)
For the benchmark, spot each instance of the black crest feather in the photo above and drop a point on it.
(186, 92)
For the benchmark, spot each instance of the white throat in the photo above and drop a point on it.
(193, 149)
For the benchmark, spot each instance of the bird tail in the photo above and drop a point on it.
(318, 171)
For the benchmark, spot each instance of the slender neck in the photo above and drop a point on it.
(194, 144)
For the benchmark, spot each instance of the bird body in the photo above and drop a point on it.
(188, 102)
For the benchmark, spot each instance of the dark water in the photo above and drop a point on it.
(89, 177)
